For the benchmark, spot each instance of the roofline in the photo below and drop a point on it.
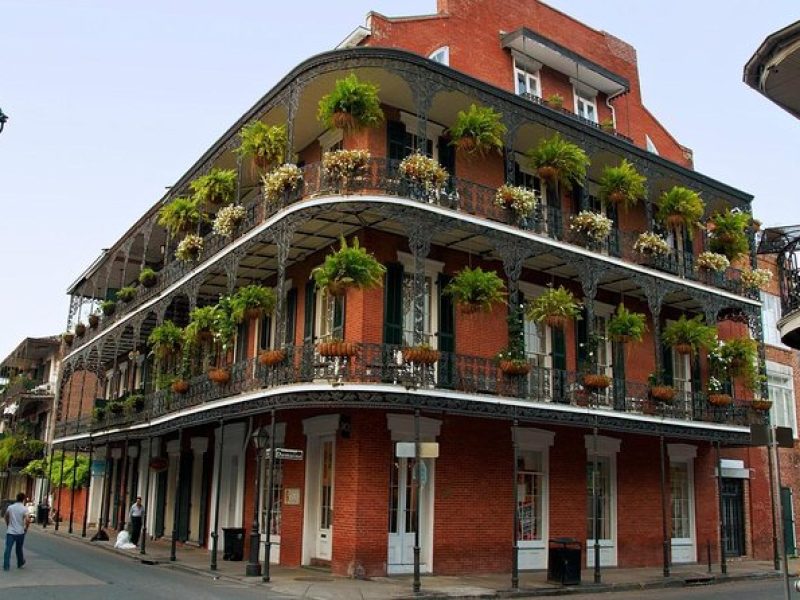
(774, 41)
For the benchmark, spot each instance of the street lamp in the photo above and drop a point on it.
(3, 119)
(253, 569)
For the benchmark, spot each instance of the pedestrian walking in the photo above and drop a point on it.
(136, 512)
(17, 522)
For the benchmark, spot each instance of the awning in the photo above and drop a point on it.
(526, 44)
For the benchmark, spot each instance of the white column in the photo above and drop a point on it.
(173, 454)
(199, 447)
(96, 486)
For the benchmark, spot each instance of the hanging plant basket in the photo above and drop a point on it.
(270, 358)
(219, 375)
(337, 288)
(547, 173)
(674, 221)
(159, 464)
(94, 321)
(466, 144)
(720, 399)
(253, 313)
(662, 393)
(617, 197)
(762, 405)
(556, 321)
(344, 120)
(68, 338)
(596, 381)
(180, 386)
(205, 336)
(80, 329)
(337, 349)
(422, 355)
(515, 367)
(683, 348)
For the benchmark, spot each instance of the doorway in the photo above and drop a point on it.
(733, 516)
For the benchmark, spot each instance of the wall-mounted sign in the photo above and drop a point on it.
(291, 496)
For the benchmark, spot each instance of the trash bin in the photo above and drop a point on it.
(42, 514)
(564, 561)
(233, 543)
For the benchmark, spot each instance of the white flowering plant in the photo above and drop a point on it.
(286, 178)
(651, 243)
(756, 279)
(592, 225)
(521, 200)
(712, 261)
(343, 165)
(424, 171)
(228, 219)
(189, 248)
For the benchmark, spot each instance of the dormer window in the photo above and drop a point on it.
(441, 55)
(526, 79)
(585, 104)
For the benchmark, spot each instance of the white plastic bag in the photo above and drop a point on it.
(124, 541)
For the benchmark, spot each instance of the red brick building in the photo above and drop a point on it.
(576, 459)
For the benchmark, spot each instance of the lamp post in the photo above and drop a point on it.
(253, 569)
(3, 119)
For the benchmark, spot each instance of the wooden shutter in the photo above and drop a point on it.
(310, 312)
(291, 315)
(666, 364)
(393, 305)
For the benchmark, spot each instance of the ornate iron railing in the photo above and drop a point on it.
(391, 365)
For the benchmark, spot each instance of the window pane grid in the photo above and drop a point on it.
(679, 491)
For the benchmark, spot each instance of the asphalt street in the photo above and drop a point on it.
(65, 569)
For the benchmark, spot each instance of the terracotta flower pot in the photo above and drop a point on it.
(596, 381)
(675, 221)
(180, 386)
(663, 393)
(421, 355)
(344, 120)
(94, 321)
(556, 321)
(617, 197)
(270, 358)
(762, 405)
(159, 464)
(219, 375)
(683, 348)
(337, 288)
(515, 367)
(68, 338)
(719, 399)
(253, 313)
(547, 173)
(337, 349)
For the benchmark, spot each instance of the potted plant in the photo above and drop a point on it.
(679, 208)
(337, 347)
(519, 199)
(217, 187)
(476, 290)
(595, 381)
(716, 395)
(264, 144)
(478, 131)
(165, 340)
(147, 277)
(755, 279)
(422, 354)
(134, 403)
(555, 101)
(349, 266)
(558, 161)
(626, 326)
(591, 226)
(423, 172)
(228, 219)
(739, 355)
(270, 358)
(340, 167)
(98, 414)
(607, 125)
(689, 335)
(761, 404)
(202, 321)
(251, 302)
(80, 329)
(728, 234)
(555, 306)
(126, 294)
(181, 216)
(68, 338)
(108, 307)
(658, 390)
(94, 320)
(223, 332)
(352, 105)
(512, 361)
(189, 248)
(179, 385)
(115, 406)
(650, 243)
(623, 185)
(711, 261)
(282, 181)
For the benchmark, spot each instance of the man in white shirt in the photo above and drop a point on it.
(17, 522)
(136, 512)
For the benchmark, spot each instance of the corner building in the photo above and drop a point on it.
(572, 460)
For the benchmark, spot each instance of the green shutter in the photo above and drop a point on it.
(396, 139)
(291, 315)
(393, 305)
(559, 344)
(666, 362)
(446, 334)
(338, 317)
(308, 315)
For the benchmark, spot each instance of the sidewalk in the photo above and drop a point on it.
(317, 583)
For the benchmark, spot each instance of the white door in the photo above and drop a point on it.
(682, 496)
(402, 515)
(682, 380)
(603, 505)
(274, 527)
(324, 541)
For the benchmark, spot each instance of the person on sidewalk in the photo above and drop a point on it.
(17, 522)
(136, 512)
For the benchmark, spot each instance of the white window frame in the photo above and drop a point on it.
(684, 550)
(608, 448)
(771, 314)
(784, 415)
(531, 77)
(532, 552)
(441, 55)
(330, 139)
(531, 291)
(580, 91)
(432, 269)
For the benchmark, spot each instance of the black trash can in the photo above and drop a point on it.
(42, 514)
(233, 543)
(564, 561)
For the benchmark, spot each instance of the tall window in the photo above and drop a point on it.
(601, 503)
(277, 494)
(681, 500)
(530, 484)
(781, 392)
(771, 314)
(408, 309)
(326, 486)
(586, 106)
(527, 83)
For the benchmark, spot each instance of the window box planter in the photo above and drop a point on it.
(596, 381)
(515, 367)
(337, 348)
(662, 393)
(270, 358)
(219, 375)
(761, 405)
(424, 355)
(180, 386)
(720, 399)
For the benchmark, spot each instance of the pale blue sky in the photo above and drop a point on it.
(109, 102)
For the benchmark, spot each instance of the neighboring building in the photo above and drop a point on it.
(26, 405)
(774, 69)
(541, 438)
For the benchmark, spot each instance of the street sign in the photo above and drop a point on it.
(426, 450)
(285, 454)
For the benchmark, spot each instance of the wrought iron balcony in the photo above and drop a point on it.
(390, 365)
